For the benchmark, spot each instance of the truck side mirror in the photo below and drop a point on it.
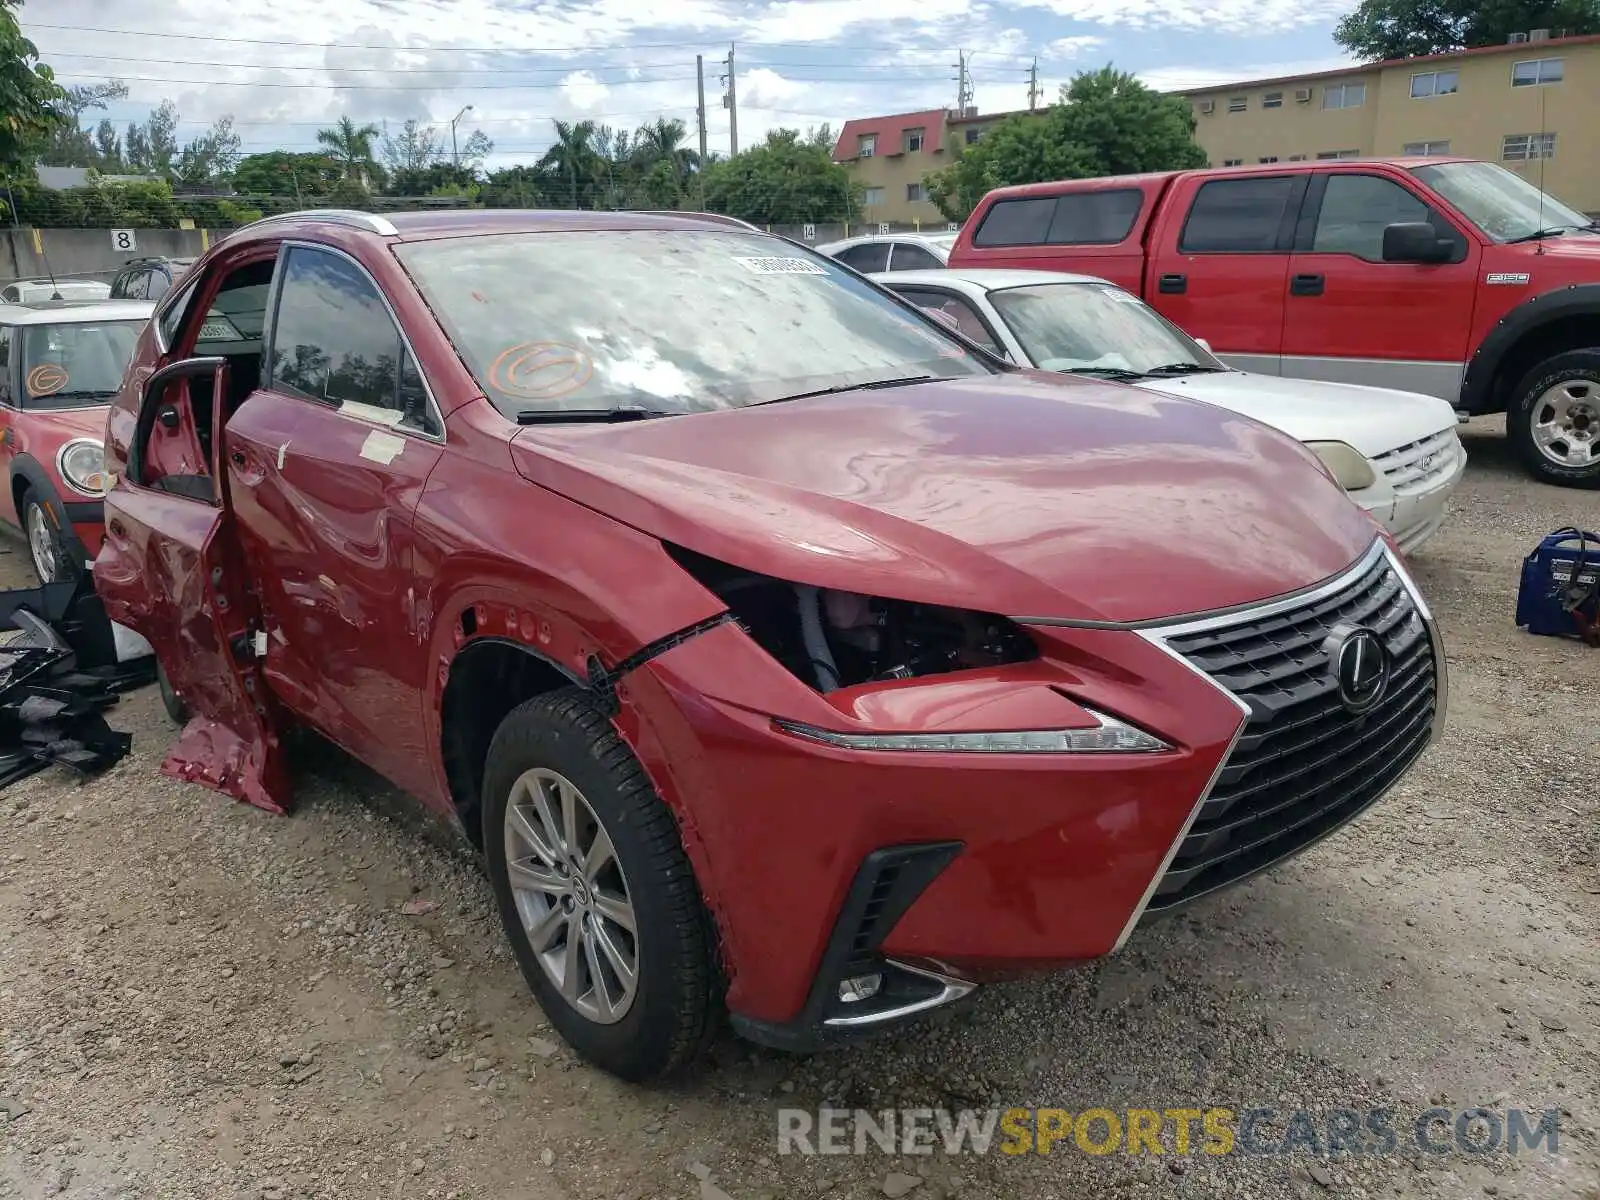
(1415, 242)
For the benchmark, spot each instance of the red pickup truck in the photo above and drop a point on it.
(1445, 276)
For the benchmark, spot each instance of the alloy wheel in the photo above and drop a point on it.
(572, 895)
(41, 544)
(1566, 423)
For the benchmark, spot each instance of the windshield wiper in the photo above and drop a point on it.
(871, 385)
(563, 416)
(1187, 368)
(80, 394)
(1115, 374)
(1538, 234)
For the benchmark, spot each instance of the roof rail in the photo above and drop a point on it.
(710, 216)
(338, 216)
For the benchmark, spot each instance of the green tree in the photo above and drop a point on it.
(214, 155)
(153, 145)
(71, 145)
(518, 187)
(574, 158)
(284, 173)
(1105, 123)
(1382, 29)
(350, 145)
(786, 180)
(30, 99)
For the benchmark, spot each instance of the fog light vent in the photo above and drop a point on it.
(860, 987)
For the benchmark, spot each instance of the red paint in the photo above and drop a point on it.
(890, 132)
(1023, 494)
(35, 437)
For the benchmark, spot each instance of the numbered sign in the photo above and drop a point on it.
(951, 227)
(123, 241)
(883, 229)
(808, 233)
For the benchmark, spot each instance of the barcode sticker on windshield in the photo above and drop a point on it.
(780, 266)
(1122, 297)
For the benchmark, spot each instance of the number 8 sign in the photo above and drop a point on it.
(122, 240)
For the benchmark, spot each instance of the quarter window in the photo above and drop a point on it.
(1237, 216)
(1537, 71)
(1089, 218)
(1433, 83)
(908, 257)
(333, 341)
(1344, 95)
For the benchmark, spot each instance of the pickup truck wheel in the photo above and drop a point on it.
(594, 890)
(1554, 420)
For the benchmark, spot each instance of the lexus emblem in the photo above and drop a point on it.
(1359, 663)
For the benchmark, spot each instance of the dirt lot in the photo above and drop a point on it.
(200, 1000)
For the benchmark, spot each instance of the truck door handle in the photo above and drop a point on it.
(1173, 285)
(1306, 285)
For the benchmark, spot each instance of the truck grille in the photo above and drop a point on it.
(1418, 466)
(1303, 764)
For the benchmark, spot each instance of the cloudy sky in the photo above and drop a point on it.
(284, 68)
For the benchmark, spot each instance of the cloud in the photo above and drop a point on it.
(1251, 17)
(1071, 47)
(583, 91)
(765, 87)
(1178, 79)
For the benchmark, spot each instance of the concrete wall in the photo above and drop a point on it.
(89, 253)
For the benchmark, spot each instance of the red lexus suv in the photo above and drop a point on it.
(780, 650)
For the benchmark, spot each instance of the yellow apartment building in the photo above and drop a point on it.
(1532, 105)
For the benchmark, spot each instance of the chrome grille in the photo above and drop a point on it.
(1303, 764)
(1418, 466)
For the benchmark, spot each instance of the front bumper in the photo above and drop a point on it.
(999, 865)
(1412, 501)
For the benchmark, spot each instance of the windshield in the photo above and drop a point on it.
(1503, 205)
(1094, 326)
(69, 365)
(675, 322)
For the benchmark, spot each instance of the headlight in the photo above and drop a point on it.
(1109, 736)
(82, 463)
(1349, 466)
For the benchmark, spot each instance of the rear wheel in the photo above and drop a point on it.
(177, 712)
(1554, 419)
(594, 890)
(52, 561)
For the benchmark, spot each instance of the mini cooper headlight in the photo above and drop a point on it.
(1109, 736)
(82, 463)
(1349, 466)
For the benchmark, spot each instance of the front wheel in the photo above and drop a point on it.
(594, 890)
(1554, 419)
(47, 545)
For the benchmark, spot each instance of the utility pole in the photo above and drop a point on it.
(455, 155)
(700, 115)
(963, 84)
(1033, 86)
(731, 103)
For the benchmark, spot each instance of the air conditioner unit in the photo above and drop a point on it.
(1516, 39)
(1302, 95)
(1539, 35)
(1208, 106)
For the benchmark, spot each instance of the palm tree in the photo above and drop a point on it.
(574, 154)
(661, 141)
(351, 147)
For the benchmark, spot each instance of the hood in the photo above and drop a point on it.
(66, 423)
(1022, 494)
(1373, 420)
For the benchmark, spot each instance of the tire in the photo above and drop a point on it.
(559, 741)
(177, 712)
(1567, 382)
(52, 561)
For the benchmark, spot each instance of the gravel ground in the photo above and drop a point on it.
(200, 1000)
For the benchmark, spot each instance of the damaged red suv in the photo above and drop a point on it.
(779, 650)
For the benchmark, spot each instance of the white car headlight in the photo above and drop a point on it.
(1109, 736)
(1349, 466)
(82, 463)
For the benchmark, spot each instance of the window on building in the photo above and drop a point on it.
(913, 140)
(1525, 147)
(1272, 100)
(1433, 83)
(1237, 216)
(1089, 218)
(1270, 158)
(871, 197)
(973, 134)
(1238, 103)
(1344, 95)
(1426, 149)
(1536, 71)
(1338, 154)
(916, 193)
(1297, 158)
(1233, 162)
(866, 145)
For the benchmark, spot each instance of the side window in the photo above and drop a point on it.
(1357, 208)
(909, 257)
(1094, 218)
(5, 366)
(966, 317)
(157, 284)
(171, 319)
(1237, 216)
(1016, 222)
(867, 257)
(11, 295)
(130, 285)
(334, 341)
